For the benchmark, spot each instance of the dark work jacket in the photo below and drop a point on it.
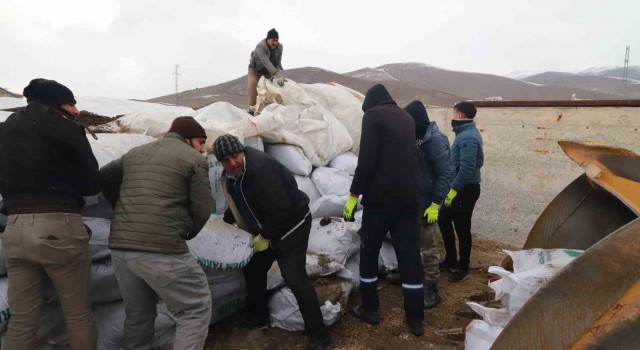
(437, 173)
(388, 165)
(45, 159)
(271, 193)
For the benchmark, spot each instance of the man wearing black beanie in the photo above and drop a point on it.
(266, 61)
(46, 168)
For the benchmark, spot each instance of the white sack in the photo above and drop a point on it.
(387, 260)
(5, 314)
(215, 171)
(480, 335)
(351, 269)
(524, 260)
(312, 127)
(345, 162)
(104, 284)
(254, 142)
(223, 289)
(493, 316)
(316, 265)
(338, 240)
(331, 181)
(99, 242)
(292, 157)
(285, 313)
(109, 147)
(224, 307)
(110, 324)
(332, 205)
(4, 116)
(221, 246)
(12, 102)
(308, 187)
(343, 104)
(152, 124)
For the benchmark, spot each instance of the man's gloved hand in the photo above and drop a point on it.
(349, 208)
(450, 196)
(431, 213)
(259, 243)
(278, 79)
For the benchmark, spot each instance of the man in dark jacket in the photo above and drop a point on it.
(467, 157)
(387, 178)
(434, 184)
(265, 201)
(162, 198)
(266, 61)
(46, 167)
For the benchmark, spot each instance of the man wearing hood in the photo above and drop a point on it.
(47, 167)
(467, 157)
(387, 177)
(434, 184)
(266, 61)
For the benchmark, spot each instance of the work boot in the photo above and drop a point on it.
(416, 327)
(431, 297)
(448, 264)
(459, 274)
(371, 317)
(393, 278)
(322, 343)
(252, 320)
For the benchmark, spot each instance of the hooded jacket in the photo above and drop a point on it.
(388, 166)
(45, 159)
(433, 146)
(265, 61)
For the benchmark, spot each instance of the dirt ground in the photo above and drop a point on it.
(350, 333)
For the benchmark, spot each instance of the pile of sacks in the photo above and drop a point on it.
(532, 268)
(314, 131)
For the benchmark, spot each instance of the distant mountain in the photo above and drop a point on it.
(478, 86)
(617, 72)
(594, 83)
(235, 91)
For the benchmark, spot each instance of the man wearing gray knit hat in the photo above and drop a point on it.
(265, 201)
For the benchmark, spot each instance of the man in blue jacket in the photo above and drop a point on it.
(433, 147)
(467, 157)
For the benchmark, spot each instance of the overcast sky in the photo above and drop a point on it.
(128, 49)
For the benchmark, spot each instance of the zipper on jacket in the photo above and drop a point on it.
(244, 198)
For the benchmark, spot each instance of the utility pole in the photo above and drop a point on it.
(625, 72)
(176, 73)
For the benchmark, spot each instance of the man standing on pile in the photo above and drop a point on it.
(434, 183)
(47, 168)
(387, 177)
(162, 198)
(467, 157)
(265, 201)
(266, 61)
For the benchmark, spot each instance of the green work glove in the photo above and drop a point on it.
(349, 208)
(450, 196)
(431, 213)
(259, 243)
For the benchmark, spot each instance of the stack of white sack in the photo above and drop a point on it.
(531, 270)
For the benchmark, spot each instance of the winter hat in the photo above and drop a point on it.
(227, 145)
(375, 96)
(467, 108)
(419, 113)
(273, 34)
(188, 128)
(48, 92)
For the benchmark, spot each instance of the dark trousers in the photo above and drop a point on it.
(459, 214)
(291, 254)
(402, 224)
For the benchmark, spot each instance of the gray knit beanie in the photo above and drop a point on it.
(227, 145)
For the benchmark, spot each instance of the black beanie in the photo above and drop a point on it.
(272, 34)
(226, 145)
(48, 92)
(375, 96)
(419, 113)
(188, 128)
